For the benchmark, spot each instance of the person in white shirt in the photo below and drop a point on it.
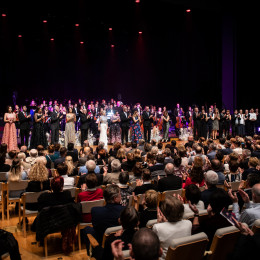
(170, 223)
(240, 121)
(252, 121)
(62, 170)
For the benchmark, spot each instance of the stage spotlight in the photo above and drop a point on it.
(52, 39)
(137, 1)
(3, 15)
(44, 21)
(188, 11)
(77, 25)
(20, 36)
(110, 29)
(112, 45)
(140, 32)
(81, 42)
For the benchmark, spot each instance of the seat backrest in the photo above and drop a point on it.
(1, 186)
(17, 185)
(170, 193)
(256, 226)
(109, 232)
(190, 247)
(151, 222)
(223, 242)
(32, 197)
(3, 176)
(72, 191)
(234, 185)
(88, 205)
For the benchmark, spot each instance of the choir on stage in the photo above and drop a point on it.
(110, 122)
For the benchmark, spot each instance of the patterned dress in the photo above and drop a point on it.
(114, 131)
(136, 131)
(9, 134)
(69, 135)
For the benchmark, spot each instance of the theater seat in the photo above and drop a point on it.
(191, 247)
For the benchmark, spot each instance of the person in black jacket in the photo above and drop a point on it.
(196, 123)
(55, 125)
(147, 121)
(125, 124)
(24, 119)
(85, 122)
(170, 182)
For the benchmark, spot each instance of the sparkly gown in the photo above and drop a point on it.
(103, 130)
(69, 134)
(9, 134)
(114, 131)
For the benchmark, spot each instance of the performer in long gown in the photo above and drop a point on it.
(69, 134)
(136, 130)
(114, 131)
(166, 126)
(9, 134)
(103, 128)
(38, 134)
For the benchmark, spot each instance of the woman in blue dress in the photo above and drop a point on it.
(136, 129)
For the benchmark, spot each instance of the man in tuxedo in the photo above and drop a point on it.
(196, 120)
(24, 119)
(76, 112)
(210, 122)
(125, 123)
(147, 120)
(84, 126)
(55, 125)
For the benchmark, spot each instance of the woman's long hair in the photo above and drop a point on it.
(15, 172)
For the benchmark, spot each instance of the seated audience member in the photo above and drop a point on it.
(32, 157)
(170, 182)
(113, 177)
(253, 163)
(61, 159)
(218, 200)
(193, 194)
(141, 145)
(10, 157)
(212, 151)
(145, 184)
(183, 155)
(137, 155)
(217, 167)
(57, 150)
(252, 210)
(199, 153)
(256, 151)
(167, 156)
(243, 164)
(84, 169)
(129, 164)
(137, 171)
(196, 176)
(16, 173)
(149, 212)
(145, 246)
(128, 147)
(24, 150)
(62, 170)
(227, 150)
(159, 165)
(90, 193)
(22, 157)
(237, 147)
(102, 157)
(113, 151)
(40, 150)
(129, 221)
(51, 156)
(125, 189)
(233, 174)
(39, 180)
(57, 196)
(72, 170)
(160, 147)
(170, 223)
(211, 179)
(178, 168)
(72, 152)
(3, 166)
(120, 155)
(107, 216)
(83, 157)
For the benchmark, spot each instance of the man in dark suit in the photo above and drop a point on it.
(24, 119)
(159, 165)
(147, 120)
(210, 122)
(170, 182)
(84, 126)
(227, 149)
(125, 123)
(55, 125)
(146, 183)
(107, 216)
(196, 123)
(76, 112)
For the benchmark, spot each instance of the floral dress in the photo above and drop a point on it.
(136, 131)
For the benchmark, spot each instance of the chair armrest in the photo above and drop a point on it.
(94, 243)
(207, 253)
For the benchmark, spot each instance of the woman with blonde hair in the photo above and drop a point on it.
(121, 156)
(21, 156)
(72, 170)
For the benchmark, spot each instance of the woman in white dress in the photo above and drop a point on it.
(102, 126)
(69, 134)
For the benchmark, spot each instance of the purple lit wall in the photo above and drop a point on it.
(229, 83)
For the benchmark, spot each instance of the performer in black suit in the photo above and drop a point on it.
(55, 125)
(147, 121)
(209, 122)
(24, 119)
(196, 120)
(76, 112)
(125, 123)
(84, 126)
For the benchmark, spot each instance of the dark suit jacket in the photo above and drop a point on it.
(85, 122)
(156, 167)
(170, 182)
(226, 151)
(256, 154)
(105, 217)
(146, 120)
(24, 121)
(73, 154)
(145, 187)
(125, 121)
(168, 160)
(211, 155)
(205, 195)
(55, 120)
